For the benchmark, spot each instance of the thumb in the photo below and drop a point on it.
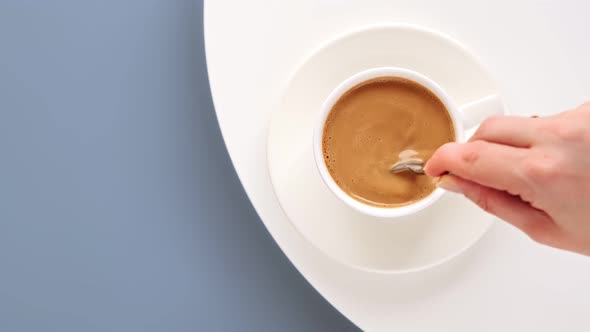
(533, 222)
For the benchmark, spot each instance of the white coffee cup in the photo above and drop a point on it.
(463, 117)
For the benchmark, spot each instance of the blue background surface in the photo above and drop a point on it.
(119, 207)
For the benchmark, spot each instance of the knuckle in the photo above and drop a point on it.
(472, 152)
(574, 134)
(549, 127)
(564, 131)
(541, 170)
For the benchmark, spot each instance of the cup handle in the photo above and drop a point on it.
(473, 113)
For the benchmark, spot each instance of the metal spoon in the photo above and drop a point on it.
(415, 165)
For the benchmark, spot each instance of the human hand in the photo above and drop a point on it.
(531, 172)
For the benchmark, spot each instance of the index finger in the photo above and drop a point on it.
(489, 164)
(516, 131)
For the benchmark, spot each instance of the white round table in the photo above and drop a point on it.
(540, 55)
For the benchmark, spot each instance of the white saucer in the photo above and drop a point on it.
(416, 242)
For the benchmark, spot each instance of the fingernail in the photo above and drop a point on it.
(448, 182)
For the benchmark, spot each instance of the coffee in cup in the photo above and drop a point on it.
(368, 128)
